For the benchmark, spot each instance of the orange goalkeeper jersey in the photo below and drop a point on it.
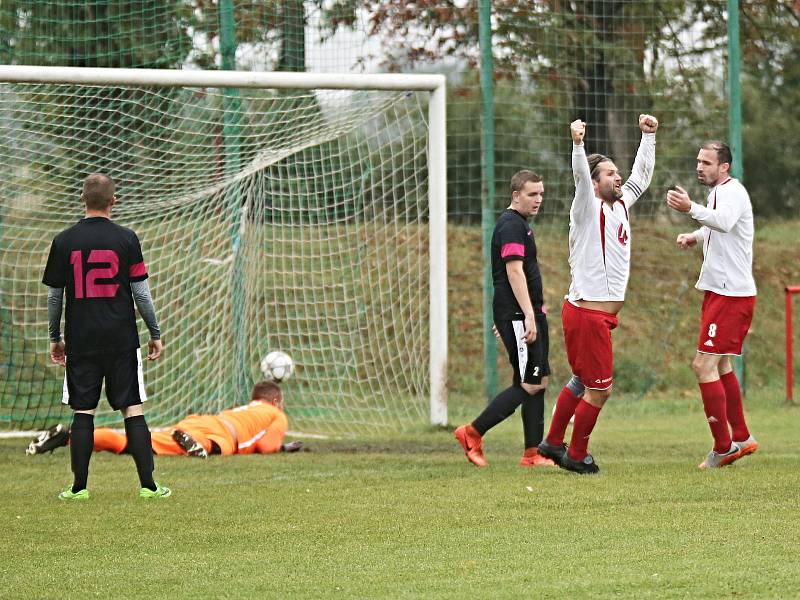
(260, 427)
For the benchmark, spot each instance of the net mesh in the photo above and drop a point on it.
(269, 220)
(602, 60)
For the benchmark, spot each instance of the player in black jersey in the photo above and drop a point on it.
(100, 265)
(520, 322)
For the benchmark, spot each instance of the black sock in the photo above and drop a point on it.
(140, 448)
(80, 450)
(533, 418)
(503, 406)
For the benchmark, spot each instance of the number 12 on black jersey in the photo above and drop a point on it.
(89, 288)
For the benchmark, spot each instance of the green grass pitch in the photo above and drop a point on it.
(409, 518)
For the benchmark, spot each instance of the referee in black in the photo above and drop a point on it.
(100, 265)
(520, 323)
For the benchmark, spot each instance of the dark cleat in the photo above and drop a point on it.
(189, 444)
(587, 466)
(49, 440)
(551, 451)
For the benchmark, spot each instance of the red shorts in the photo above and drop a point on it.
(724, 323)
(587, 334)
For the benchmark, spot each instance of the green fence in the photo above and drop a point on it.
(518, 71)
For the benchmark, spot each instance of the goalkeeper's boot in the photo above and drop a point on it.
(585, 466)
(716, 460)
(68, 494)
(472, 443)
(160, 492)
(552, 451)
(532, 458)
(748, 446)
(49, 440)
(189, 444)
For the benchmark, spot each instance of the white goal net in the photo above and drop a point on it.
(274, 214)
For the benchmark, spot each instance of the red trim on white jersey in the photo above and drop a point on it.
(603, 276)
(727, 265)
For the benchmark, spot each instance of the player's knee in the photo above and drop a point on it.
(598, 397)
(575, 385)
(136, 410)
(702, 368)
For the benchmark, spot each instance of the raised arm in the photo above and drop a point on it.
(583, 203)
(643, 165)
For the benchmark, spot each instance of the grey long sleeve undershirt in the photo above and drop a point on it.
(144, 302)
(141, 295)
(55, 300)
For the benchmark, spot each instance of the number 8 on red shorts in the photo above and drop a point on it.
(724, 323)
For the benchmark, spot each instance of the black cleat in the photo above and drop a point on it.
(49, 440)
(587, 466)
(189, 444)
(552, 452)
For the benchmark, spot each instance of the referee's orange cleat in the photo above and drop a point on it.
(532, 458)
(472, 442)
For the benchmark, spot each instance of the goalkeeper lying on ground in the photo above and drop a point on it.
(255, 428)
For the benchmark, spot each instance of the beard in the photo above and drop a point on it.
(611, 193)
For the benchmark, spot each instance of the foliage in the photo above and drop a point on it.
(115, 33)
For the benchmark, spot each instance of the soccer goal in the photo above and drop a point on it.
(277, 211)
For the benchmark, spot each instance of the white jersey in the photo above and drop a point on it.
(727, 239)
(599, 233)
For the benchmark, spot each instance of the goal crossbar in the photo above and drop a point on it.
(437, 196)
(221, 79)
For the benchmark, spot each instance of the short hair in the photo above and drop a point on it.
(266, 390)
(98, 191)
(594, 163)
(724, 154)
(520, 178)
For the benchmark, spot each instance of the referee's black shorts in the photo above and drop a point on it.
(530, 362)
(121, 371)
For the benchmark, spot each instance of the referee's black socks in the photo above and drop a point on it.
(502, 407)
(533, 418)
(81, 445)
(140, 448)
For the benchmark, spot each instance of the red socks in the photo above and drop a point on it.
(735, 410)
(565, 408)
(714, 404)
(585, 419)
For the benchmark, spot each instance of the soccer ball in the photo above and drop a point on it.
(277, 366)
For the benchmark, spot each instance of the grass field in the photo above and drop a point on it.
(407, 516)
(411, 518)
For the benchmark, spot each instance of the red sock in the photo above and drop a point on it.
(585, 419)
(734, 407)
(565, 408)
(713, 394)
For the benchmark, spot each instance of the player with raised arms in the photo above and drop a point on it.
(726, 277)
(599, 260)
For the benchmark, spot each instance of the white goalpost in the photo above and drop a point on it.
(277, 211)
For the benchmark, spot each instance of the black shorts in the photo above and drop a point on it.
(122, 373)
(530, 362)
